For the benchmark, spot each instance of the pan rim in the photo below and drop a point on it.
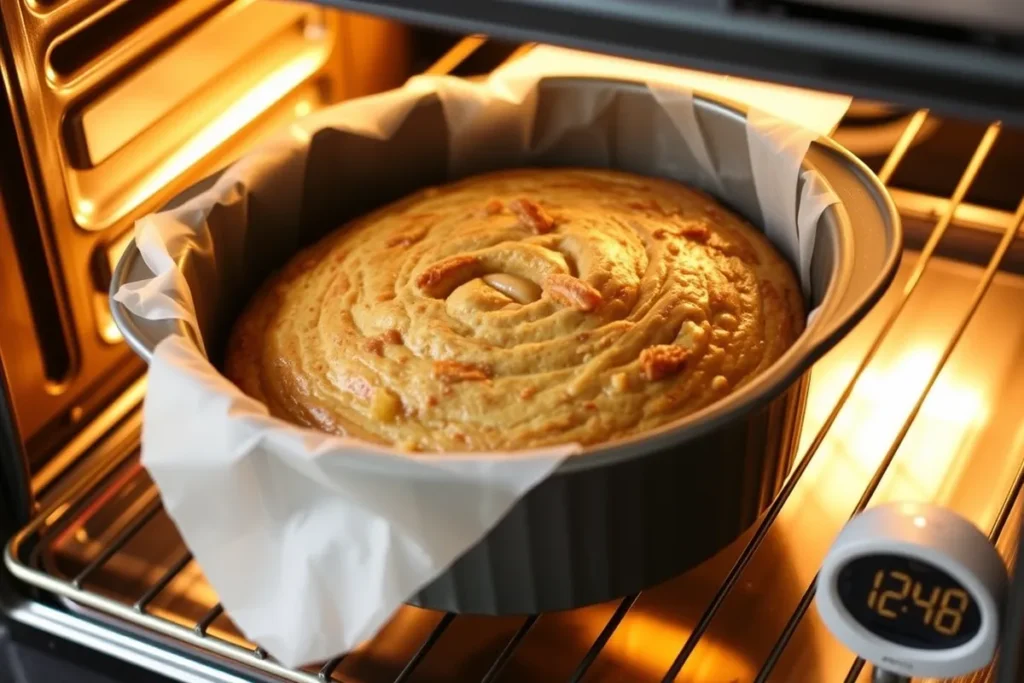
(816, 339)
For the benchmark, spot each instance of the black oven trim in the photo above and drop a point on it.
(15, 489)
(962, 73)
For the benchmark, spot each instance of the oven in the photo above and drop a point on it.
(112, 108)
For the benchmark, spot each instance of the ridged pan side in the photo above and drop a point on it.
(589, 536)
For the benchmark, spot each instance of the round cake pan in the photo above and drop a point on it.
(622, 516)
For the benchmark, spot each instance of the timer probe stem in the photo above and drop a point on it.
(883, 676)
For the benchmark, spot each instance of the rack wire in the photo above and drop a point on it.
(26, 551)
(990, 271)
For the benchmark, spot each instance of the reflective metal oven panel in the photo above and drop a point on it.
(112, 107)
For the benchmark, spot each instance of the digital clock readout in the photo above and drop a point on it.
(908, 602)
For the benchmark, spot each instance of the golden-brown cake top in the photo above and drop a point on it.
(518, 309)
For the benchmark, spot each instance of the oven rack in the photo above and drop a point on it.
(103, 478)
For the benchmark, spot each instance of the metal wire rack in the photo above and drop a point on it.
(27, 554)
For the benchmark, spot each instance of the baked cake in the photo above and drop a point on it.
(519, 309)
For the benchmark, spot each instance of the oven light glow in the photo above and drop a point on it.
(920, 522)
(934, 450)
(303, 107)
(241, 112)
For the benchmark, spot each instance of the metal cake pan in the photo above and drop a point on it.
(624, 515)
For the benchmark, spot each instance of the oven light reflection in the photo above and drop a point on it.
(942, 433)
(241, 112)
(85, 207)
(645, 645)
(56, 514)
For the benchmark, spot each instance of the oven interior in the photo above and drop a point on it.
(115, 107)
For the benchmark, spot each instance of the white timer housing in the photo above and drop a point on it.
(937, 537)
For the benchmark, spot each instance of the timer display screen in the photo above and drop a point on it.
(908, 602)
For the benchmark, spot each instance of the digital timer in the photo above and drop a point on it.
(908, 602)
(914, 589)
